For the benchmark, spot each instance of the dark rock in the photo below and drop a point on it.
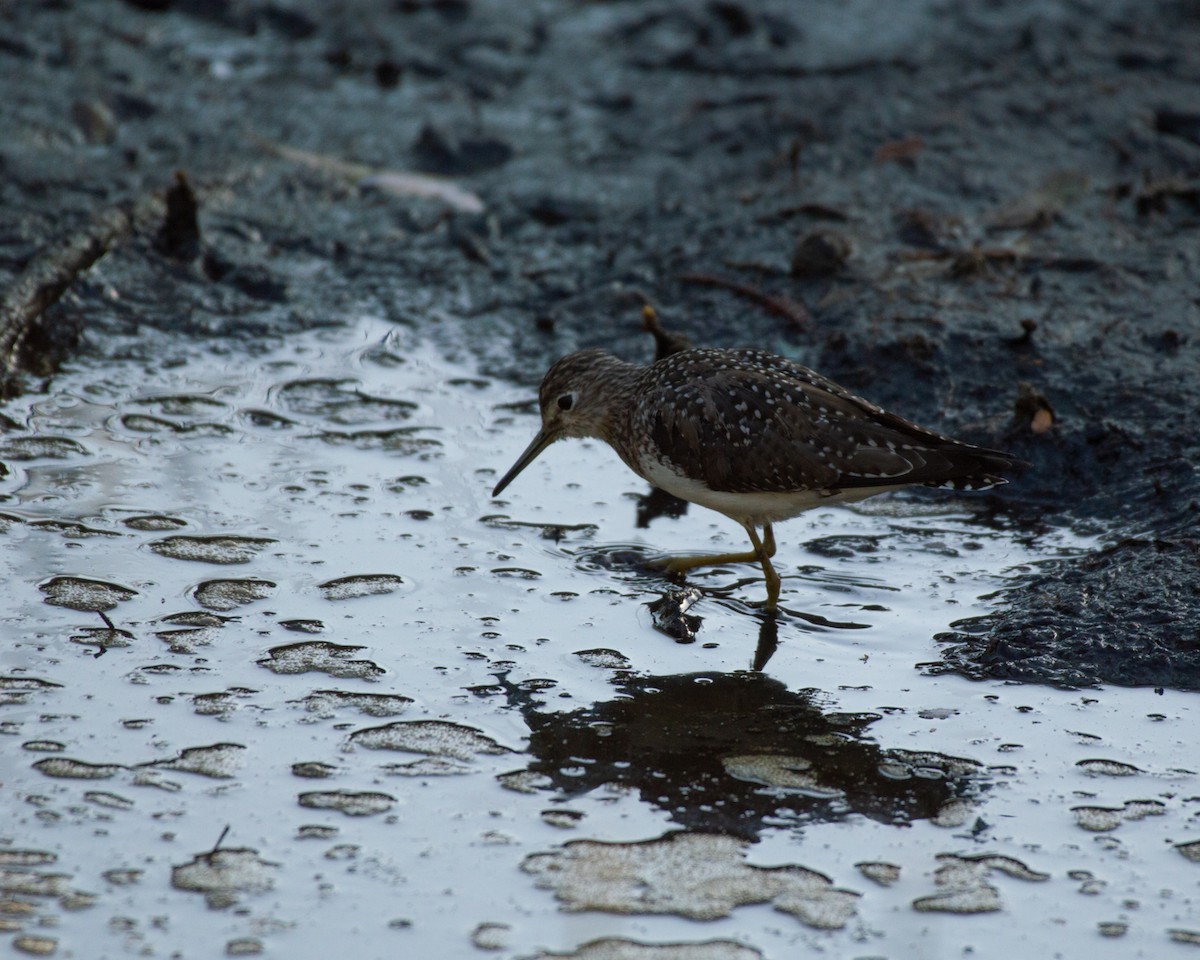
(820, 254)
(920, 228)
(288, 21)
(388, 74)
(555, 211)
(258, 282)
(1178, 124)
(128, 106)
(438, 151)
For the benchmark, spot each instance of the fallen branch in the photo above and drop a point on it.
(48, 275)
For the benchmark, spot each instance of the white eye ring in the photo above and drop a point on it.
(566, 401)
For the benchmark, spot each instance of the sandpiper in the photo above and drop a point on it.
(749, 434)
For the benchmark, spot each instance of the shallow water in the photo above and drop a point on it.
(436, 724)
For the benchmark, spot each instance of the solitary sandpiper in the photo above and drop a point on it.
(749, 434)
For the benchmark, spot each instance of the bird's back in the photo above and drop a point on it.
(751, 422)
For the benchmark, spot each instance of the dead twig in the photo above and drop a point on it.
(791, 310)
(399, 183)
(666, 342)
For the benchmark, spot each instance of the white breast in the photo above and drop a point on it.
(757, 508)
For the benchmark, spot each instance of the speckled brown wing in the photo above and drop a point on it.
(754, 422)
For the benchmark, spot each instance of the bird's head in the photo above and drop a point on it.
(575, 398)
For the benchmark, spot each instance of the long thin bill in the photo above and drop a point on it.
(540, 443)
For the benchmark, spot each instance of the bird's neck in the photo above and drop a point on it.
(620, 394)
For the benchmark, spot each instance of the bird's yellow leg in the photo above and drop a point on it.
(765, 551)
(768, 539)
(762, 553)
(691, 562)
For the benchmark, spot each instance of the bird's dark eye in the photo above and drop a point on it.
(566, 401)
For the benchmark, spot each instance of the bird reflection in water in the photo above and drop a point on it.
(740, 753)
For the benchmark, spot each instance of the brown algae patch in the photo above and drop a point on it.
(155, 778)
(325, 703)
(71, 529)
(316, 831)
(436, 738)
(562, 819)
(69, 769)
(1098, 819)
(426, 767)
(83, 594)
(1108, 768)
(789, 773)
(219, 761)
(525, 781)
(17, 690)
(360, 585)
(43, 746)
(604, 658)
(30, 883)
(112, 801)
(26, 858)
(195, 618)
(1104, 819)
(146, 423)
(154, 523)
(1191, 850)
(964, 887)
(182, 404)
(352, 804)
(244, 947)
(955, 812)
(42, 448)
(303, 626)
(223, 595)
(320, 656)
(313, 770)
(227, 549)
(220, 702)
(187, 640)
(36, 946)
(492, 936)
(702, 876)
(223, 874)
(981, 897)
(925, 765)
(884, 874)
(614, 948)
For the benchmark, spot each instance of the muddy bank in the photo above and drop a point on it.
(934, 210)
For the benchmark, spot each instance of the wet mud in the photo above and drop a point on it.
(955, 211)
(277, 283)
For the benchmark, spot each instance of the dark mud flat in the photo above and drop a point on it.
(983, 215)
